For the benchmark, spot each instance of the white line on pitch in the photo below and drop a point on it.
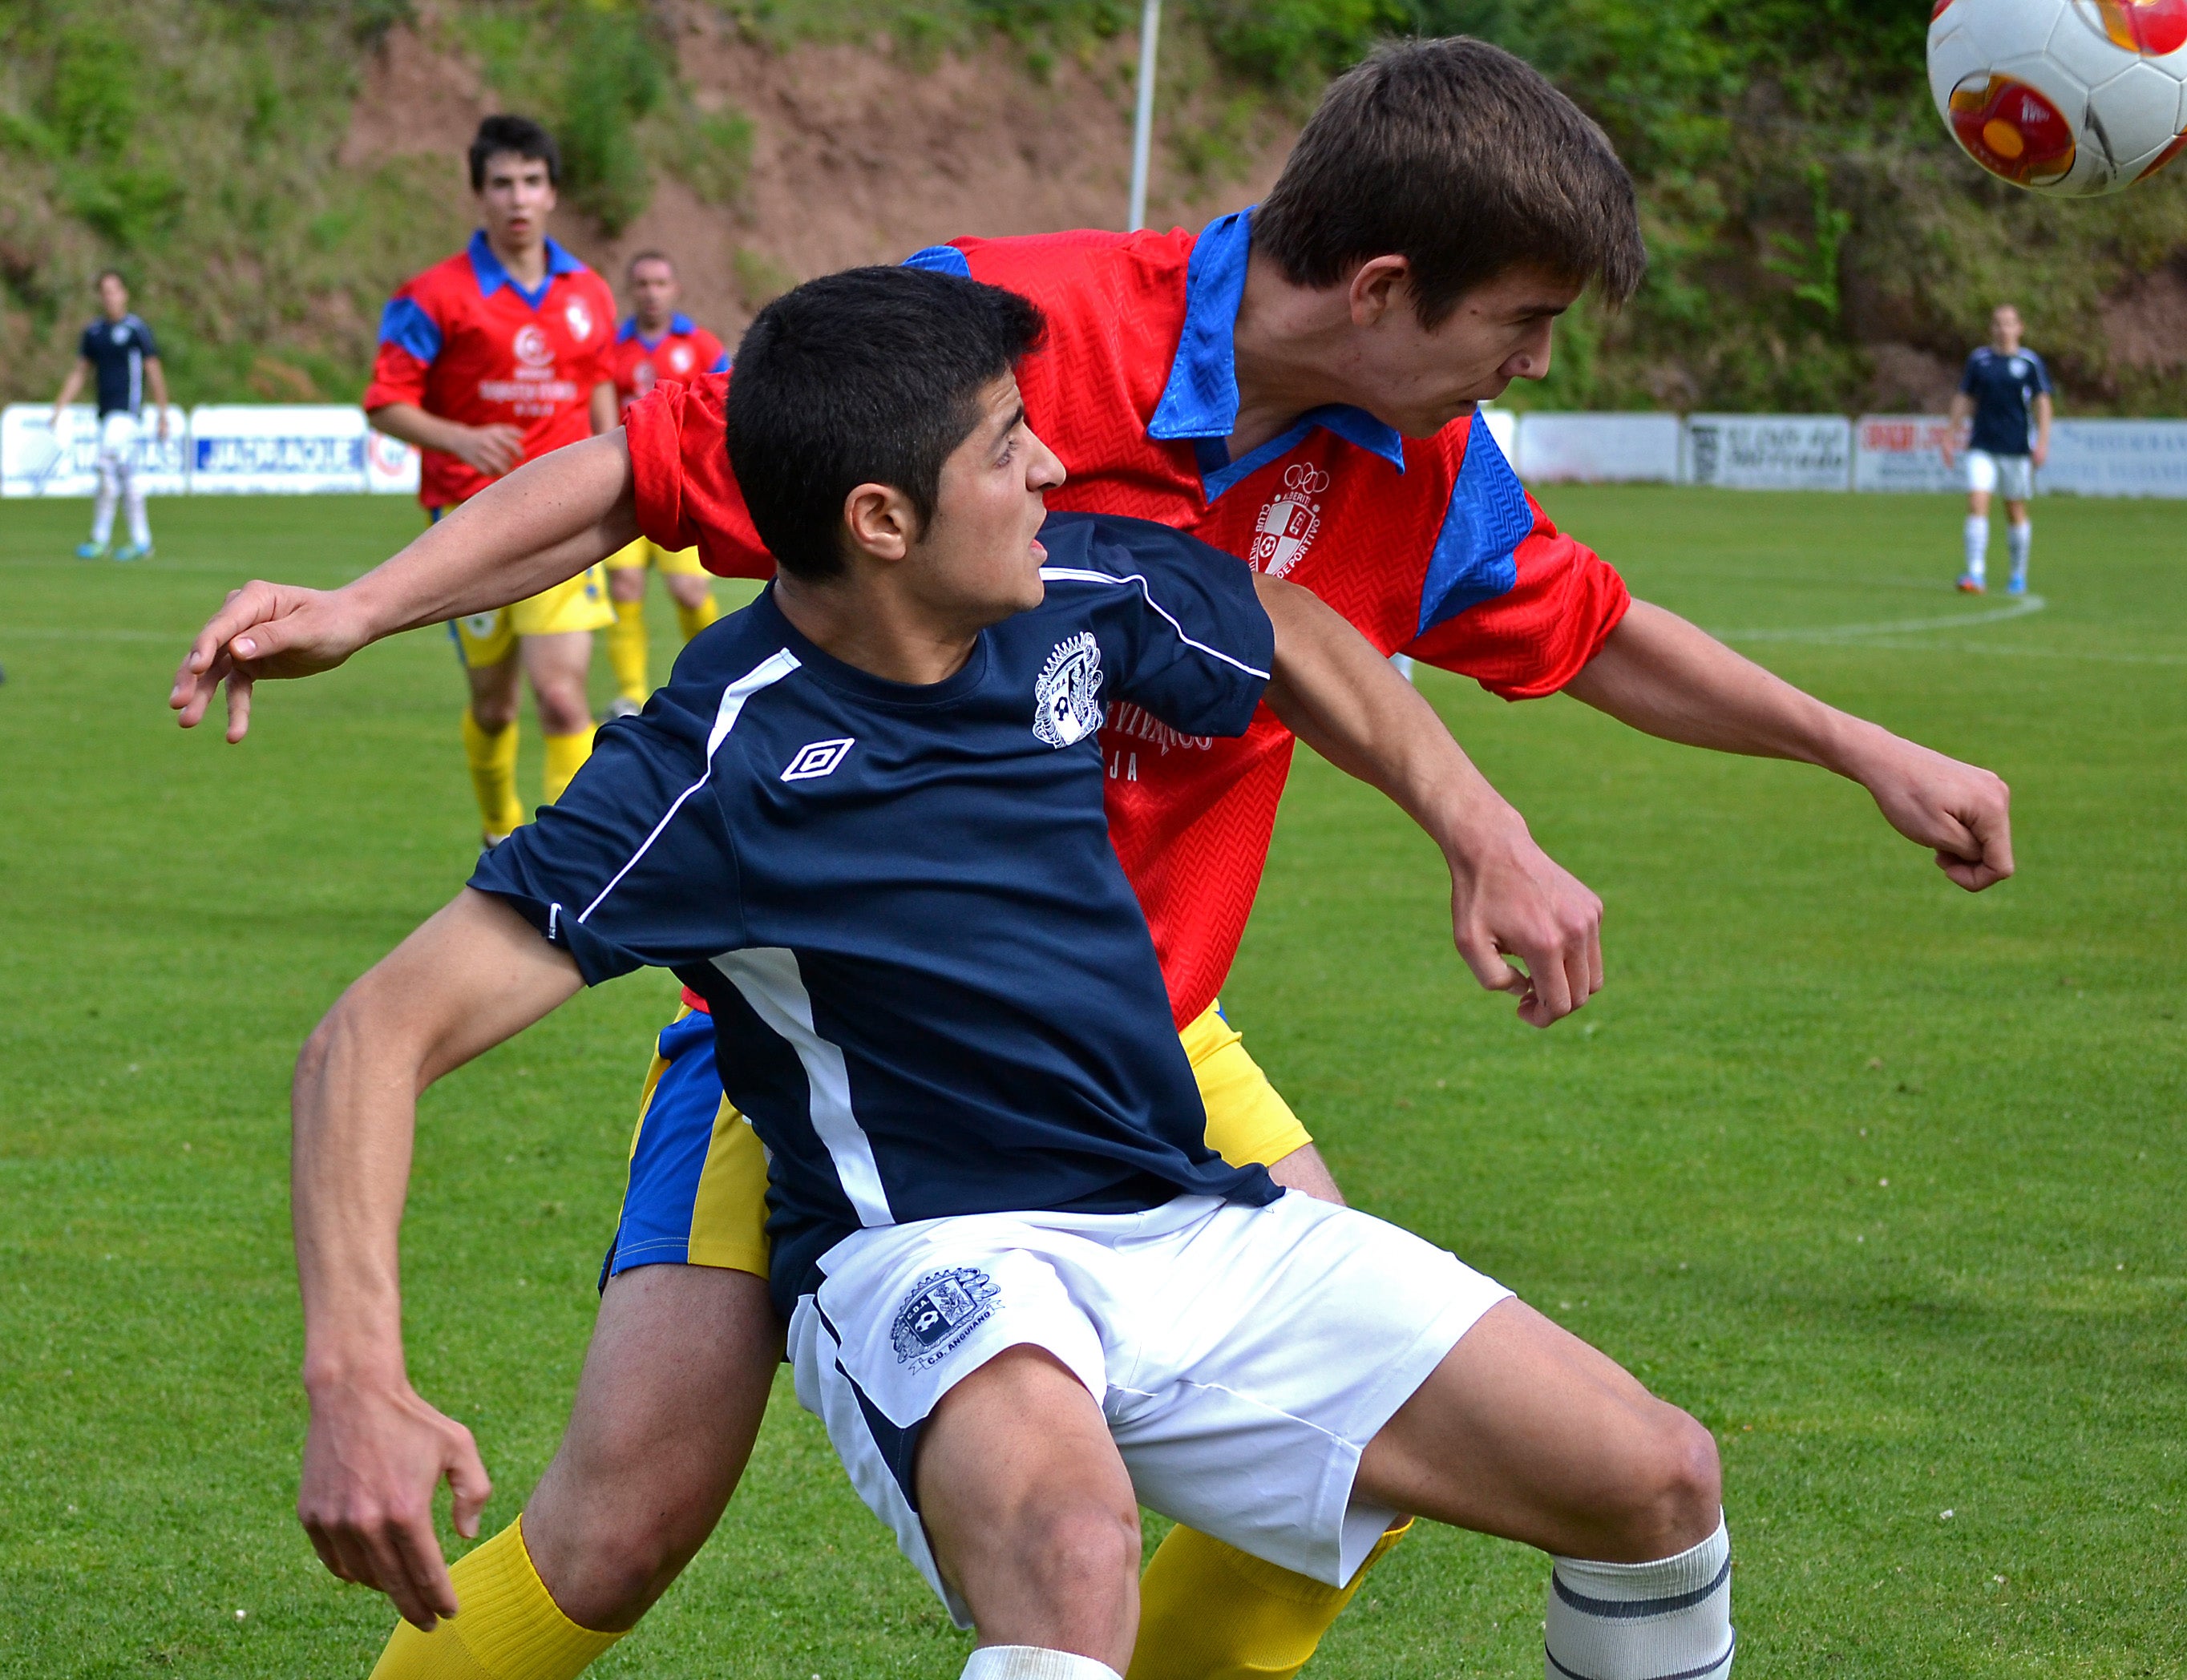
(1849, 632)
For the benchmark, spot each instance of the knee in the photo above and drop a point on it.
(1677, 1492)
(493, 712)
(562, 709)
(626, 584)
(1082, 1548)
(609, 1572)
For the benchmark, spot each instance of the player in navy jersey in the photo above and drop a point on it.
(2006, 392)
(118, 355)
(865, 820)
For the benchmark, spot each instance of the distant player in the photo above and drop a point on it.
(487, 360)
(117, 352)
(658, 342)
(2006, 389)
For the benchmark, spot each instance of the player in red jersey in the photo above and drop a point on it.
(1297, 385)
(487, 360)
(657, 342)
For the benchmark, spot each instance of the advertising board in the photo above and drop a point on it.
(263, 449)
(1770, 452)
(1903, 452)
(391, 466)
(2117, 458)
(35, 462)
(1598, 448)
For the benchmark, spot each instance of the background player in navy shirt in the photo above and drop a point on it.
(117, 352)
(2006, 389)
(865, 819)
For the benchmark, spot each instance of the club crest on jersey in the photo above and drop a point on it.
(579, 317)
(941, 1310)
(1067, 698)
(1288, 525)
(680, 358)
(532, 349)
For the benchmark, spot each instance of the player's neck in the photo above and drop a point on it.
(876, 629)
(1287, 347)
(525, 263)
(654, 330)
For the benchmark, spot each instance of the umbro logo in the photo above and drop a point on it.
(817, 759)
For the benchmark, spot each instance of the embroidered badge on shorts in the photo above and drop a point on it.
(1067, 698)
(943, 1309)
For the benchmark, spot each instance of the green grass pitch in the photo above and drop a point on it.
(1884, 1182)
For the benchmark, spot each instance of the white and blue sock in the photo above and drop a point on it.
(1641, 1621)
(1034, 1662)
(1977, 545)
(2019, 538)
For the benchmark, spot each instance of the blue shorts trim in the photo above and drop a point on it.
(670, 1153)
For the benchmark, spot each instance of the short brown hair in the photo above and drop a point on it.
(1463, 160)
(649, 255)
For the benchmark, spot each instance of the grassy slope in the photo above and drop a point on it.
(1691, 1176)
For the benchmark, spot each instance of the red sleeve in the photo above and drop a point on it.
(679, 465)
(397, 376)
(1533, 638)
(713, 355)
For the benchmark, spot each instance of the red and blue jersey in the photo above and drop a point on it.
(684, 351)
(466, 342)
(1428, 545)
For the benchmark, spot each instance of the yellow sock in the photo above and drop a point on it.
(627, 651)
(1207, 1611)
(491, 755)
(695, 619)
(509, 1628)
(566, 757)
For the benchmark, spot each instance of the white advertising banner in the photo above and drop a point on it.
(263, 449)
(1503, 426)
(1770, 452)
(2117, 458)
(1903, 452)
(35, 462)
(1598, 448)
(391, 466)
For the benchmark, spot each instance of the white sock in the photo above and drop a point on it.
(1637, 1621)
(1977, 545)
(1034, 1662)
(2018, 537)
(133, 504)
(102, 511)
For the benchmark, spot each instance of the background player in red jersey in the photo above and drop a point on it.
(1319, 361)
(657, 342)
(487, 360)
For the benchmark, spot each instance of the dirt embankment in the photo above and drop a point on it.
(857, 156)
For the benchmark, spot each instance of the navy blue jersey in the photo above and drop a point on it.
(117, 351)
(933, 989)
(2005, 388)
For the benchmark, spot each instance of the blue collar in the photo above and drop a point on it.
(491, 276)
(679, 327)
(1200, 401)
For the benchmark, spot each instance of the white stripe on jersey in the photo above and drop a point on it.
(773, 669)
(768, 977)
(1071, 575)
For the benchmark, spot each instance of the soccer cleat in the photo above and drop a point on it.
(133, 551)
(623, 707)
(91, 549)
(1971, 586)
(2017, 586)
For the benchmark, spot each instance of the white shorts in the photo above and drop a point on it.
(2011, 477)
(121, 434)
(1243, 1356)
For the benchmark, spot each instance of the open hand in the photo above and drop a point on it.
(1511, 899)
(261, 630)
(1960, 812)
(373, 1460)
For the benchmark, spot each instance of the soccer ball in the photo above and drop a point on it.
(2067, 97)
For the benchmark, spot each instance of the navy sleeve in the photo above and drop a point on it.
(1967, 374)
(87, 346)
(145, 342)
(633, 865)
(1190, 639)
(2042, 374)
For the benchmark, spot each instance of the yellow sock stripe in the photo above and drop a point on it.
(627, 651)
(491, 756)
(509, 1626)
(566, 757)
(692, 619)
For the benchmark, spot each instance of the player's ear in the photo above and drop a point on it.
(1378, 285)
(880, 521)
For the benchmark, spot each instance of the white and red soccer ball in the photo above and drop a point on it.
(2070, 97)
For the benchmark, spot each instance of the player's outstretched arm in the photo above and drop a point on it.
(1508, 897)
(1662, 675)
(375, 1451)
(543, 524)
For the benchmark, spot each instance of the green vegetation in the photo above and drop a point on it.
(1803, 203)
(1693, 1174)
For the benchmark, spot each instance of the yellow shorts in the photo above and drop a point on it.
(697, 1192)
(684, 563)
(581, 603)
